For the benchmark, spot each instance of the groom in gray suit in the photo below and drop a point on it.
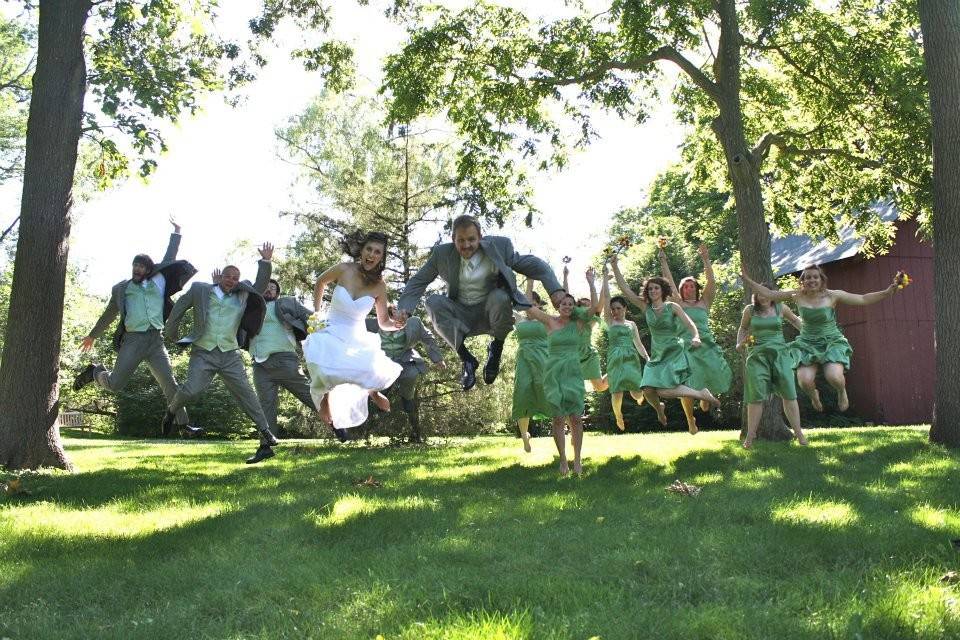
(226, 317)
(481, 292)
(143, 304)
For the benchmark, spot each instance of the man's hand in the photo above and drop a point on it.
(215, 276)
(86, 344)
(266, 251)
(176, 227)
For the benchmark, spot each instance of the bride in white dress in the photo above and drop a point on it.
(345, 361)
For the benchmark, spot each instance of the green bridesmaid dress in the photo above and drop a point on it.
(562, 380)
(668, 365)
(589, 358)
(708, 367)
(624, 368)
(770, 361)
(529, 400)
(820, 340)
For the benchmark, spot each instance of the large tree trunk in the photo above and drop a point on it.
(29, 435)
(744, 173)
(940, 23)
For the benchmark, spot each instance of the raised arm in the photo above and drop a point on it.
(566, 278)
(863, 299)
(761, 290)
(710, 288)
(668, 276)
(330, 275)
(628, 293)
(174, 245)
(687, 322)
(264, 268)
(791, 317)
(605, 294)
(744, 331)
(416, 285)
(595, 303)
(638, 343)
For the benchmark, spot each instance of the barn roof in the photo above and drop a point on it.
(792, 253)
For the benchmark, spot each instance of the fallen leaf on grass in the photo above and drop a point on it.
(369, 482)
(15, 488)
(682, 487)
(950, 577)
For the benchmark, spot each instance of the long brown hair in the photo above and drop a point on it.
(353, 244)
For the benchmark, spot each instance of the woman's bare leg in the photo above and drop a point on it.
(524, 425)
(638, 396)
(382, 402)
(754, 413)
(616, 399)
(807, 379)
(653, 398)
(576, 437)
(559, 439)
(687, 404)
(833, 372)
(792, 410)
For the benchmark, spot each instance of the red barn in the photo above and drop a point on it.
(893, 369)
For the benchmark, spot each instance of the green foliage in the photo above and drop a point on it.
(15, 71)
(478, 540)
(831, 97)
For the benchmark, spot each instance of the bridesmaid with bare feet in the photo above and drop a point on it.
(529, 400)
(708, 368)
(668, 370)
(562, 383)
(821, 344)
(770, 363)
(624, 350)
(589, 357)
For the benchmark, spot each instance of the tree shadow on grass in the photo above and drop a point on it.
(450, 533)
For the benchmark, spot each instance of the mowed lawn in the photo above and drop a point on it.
(848, 538)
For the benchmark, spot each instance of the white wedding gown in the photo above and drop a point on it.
(345, 360)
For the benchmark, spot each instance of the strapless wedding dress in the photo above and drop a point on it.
(345, 360)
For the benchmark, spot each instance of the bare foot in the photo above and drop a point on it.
(748, 441)
(710, 399)
(843, 402)
(704, 406)
(382, 402)
(815, 401)
(325, 411)
(692, 426)
(577, 467)
(802, 439)
(620, 424)
(526, 441)
(661, 414)
(564, 469)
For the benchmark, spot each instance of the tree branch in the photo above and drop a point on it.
(639, 64)
(9, 229)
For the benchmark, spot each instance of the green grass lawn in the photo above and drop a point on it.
(848, 538)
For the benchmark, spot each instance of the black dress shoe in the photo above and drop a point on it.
(267, 439)
(492, 367)
(166, 425)
(341, 435)
(87, 376)
(469, 376)
(262, 453)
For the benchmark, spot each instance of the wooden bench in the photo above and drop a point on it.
(73, 419)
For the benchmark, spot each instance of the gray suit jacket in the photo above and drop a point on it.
(175, 272)
(444, 261)
(292, 314)
(415, 333)
(198, 298)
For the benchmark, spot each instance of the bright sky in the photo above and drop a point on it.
(225, 185)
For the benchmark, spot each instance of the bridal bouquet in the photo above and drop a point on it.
(316, 322)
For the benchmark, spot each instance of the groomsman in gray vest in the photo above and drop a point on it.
(481, 292)
(143, 304)
(400, 346)
(274, 352)
(226, 317)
